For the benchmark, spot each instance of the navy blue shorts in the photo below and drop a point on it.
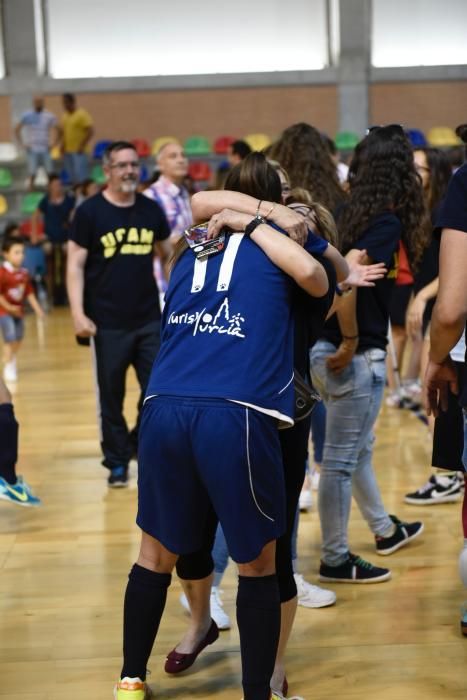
(200, 455)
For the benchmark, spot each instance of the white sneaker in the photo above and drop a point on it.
(10, 373)
(310, 596)
(306, 500)
(218, 613)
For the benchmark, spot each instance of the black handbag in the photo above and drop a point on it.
(306, 397)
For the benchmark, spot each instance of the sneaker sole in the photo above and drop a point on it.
(118, 485)
(452, 498)
(327, 604)
(24, 504)
(375, 579)
(385, 552)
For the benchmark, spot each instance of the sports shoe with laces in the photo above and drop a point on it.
(132, 689)
(218, 613)
(118, 477)
(438, 489)
(353, 570)
(10, 372)
(310, 596)
(19, 493)
(404, 533)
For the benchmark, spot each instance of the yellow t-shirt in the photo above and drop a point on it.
(74, 127)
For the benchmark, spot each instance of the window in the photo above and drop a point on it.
(419, 33)
(112, 38)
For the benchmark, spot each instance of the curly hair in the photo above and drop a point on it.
(306, 158)
(382, 178)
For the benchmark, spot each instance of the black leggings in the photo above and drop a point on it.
(294, 444)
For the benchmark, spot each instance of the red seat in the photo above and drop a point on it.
(200, 171)
(142, 148)
(222, 144)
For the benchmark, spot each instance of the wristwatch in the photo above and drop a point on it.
(257, 221)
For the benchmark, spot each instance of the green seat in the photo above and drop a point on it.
(197, 146)
(346, 140)
(98, 175)
(31, 202)
(5, 178)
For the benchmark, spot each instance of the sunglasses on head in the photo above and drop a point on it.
(389, 128)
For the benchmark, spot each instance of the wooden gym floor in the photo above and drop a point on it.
(63, 567)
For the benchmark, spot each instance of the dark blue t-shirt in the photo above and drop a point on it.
(381, 241)
(57, 217)
(453, 215)
(227, 330)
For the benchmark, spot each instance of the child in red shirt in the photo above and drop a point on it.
(15, 287)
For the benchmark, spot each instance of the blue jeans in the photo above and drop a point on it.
(220, 552)
(353, 399)
(318, 430)
(12, 328)
(77, 166)
(36, 159)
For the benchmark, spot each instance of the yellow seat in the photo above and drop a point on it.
(3, 205)
(258, 142)
(161, 141)
(442, 137)
(55, 153)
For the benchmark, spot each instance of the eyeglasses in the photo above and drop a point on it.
(133, 164)
(394, 128)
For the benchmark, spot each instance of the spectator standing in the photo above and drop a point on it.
(77, 131)
(38, 131)
(56, 208)
(170, 193)
(113, 294)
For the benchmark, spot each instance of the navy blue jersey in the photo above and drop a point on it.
(227, 331)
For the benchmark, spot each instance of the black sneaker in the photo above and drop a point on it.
(405, 532)
(118, 477)
(438, 489)
(354, 570)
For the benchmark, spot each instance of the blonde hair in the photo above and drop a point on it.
(318, 216)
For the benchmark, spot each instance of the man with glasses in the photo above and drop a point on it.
(114, 297)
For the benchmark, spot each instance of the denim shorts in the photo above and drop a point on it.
(35, 160)
(12, 328)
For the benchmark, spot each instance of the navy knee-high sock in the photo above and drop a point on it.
(8, 443)
(259, 622)
(145, 598)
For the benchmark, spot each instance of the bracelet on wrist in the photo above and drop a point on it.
(258, 207)
(257, 221)
(270, 211)
(350, 337)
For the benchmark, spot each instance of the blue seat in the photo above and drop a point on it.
(65, 178)
(99, 149)
(417, 138)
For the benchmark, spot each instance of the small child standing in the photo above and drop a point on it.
(15, 288)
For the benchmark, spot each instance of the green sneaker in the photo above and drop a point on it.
(132, 689)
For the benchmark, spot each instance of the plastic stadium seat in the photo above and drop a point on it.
(221, 145)
(8, 152)
(346, 140)
(142, 148)
(197, 146)
(5, 178)
(258, 142)
(98, 175)
(41, 178)
(31, 202)
(55, 153)
(442, 136)
(143, 173)
(417, 138)
(3, 205)
(99, 149)
(161, 141)
(200, 171)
